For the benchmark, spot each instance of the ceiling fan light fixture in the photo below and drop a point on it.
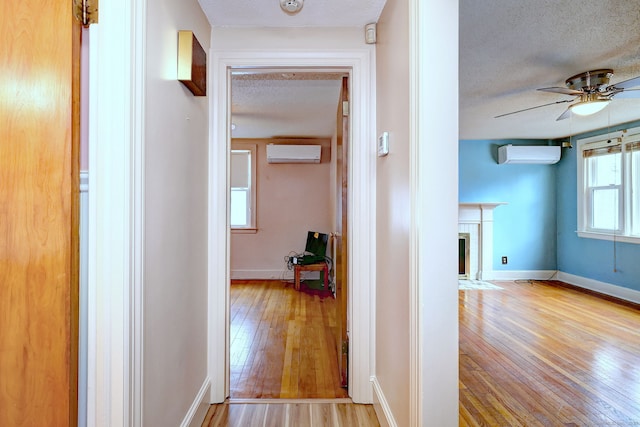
(291, 7)
(589, 107)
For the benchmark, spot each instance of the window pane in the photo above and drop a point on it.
(239, 207)
(605, 170)
(604, 208)
(240, 168)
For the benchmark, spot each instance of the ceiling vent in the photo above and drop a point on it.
(529, 154)
(286, 153)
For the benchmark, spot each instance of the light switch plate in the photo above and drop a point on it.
(383, 144)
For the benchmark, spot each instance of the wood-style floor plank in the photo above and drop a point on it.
(282, 342)
(544, 354)
(292, 414)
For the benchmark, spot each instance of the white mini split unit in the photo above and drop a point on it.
(529, 154)
(285, 153)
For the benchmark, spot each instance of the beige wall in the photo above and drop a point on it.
(291, 200)
(289, 38)
(175, 248)
(393, 210)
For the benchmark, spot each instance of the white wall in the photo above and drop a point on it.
(175, 246)
(416, 375)
(393, 212)
(291, 200)
(286, 38)
(338, 48)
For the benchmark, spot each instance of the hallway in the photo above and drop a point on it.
(282, 342)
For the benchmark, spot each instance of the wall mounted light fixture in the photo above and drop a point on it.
(192, 63)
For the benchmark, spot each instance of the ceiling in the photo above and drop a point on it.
(508, 49)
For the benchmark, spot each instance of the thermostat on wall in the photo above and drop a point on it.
(383, 144)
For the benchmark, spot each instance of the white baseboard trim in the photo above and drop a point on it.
(198, 410)
(281, 274)
(601, 287)
(524, 275)
(381, 406)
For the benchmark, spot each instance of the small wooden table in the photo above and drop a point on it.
(318, 266)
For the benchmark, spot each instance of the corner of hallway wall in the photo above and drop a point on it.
(393, 216)
(381, 405)
(199, 408)
(175, 183)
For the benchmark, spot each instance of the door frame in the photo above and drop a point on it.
(360, 64)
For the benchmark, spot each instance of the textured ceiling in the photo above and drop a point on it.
(314, 13)
(508, 49)
(284, 104)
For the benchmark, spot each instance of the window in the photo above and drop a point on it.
(243, 188)
(608, 187)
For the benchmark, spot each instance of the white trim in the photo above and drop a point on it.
(524, 275)
(480, 214)
(609, 237)
(360, 63)
(116, 127)
(416, 345)
(625, 136)
(262, 274)
(626, 294)
(82, 305)
(199, 407)
(381, 405)
(433, 304)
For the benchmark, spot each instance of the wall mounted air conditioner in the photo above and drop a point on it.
(529, 154)
(285, 153)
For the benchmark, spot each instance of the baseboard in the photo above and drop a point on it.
(601, 287)
(198, 410)
(381, 406)
(523, 274)
(282, 274)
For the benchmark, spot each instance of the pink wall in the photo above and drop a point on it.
(393, 210)
(291, 200)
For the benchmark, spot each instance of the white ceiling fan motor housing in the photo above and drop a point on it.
(291, 6)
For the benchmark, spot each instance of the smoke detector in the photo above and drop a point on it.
(291, 6)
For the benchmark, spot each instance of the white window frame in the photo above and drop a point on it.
(252, 203)
(626, 191)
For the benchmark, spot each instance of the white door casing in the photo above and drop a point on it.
(360, 63)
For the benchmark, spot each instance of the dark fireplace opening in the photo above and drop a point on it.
(462, 259)
(463, 255)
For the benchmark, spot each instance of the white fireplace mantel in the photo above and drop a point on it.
(480, 214)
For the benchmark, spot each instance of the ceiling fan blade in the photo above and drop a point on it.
(564, 115)
(627, 83)
(533, 108)
(628, 93)
(563, 90)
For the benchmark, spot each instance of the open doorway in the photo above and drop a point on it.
(361, 179)
(286, 338)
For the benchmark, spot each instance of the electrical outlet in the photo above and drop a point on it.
(504, 260)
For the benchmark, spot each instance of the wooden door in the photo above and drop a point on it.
(340, 234)
(39, 75)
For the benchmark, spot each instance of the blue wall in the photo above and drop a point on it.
(525, 228)
(590, 258)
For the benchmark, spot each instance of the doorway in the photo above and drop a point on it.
(284, 338)
(362, 162)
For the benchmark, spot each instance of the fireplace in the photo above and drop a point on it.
(463, 255)
(475, 221)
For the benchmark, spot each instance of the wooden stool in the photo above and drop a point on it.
(319, 266)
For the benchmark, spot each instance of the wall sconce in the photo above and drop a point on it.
(192, 63)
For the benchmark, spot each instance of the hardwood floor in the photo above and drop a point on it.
(292, 414)
(542, 354)
(282, 342)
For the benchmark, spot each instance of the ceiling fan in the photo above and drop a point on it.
(592, 93)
